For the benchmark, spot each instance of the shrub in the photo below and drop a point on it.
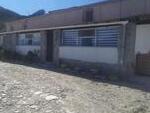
(11, 55)
(32, 57)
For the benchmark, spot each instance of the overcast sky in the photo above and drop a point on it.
(26, 7)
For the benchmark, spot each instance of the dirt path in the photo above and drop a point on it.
(29, 90)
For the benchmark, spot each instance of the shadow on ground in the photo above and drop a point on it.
(138, 82)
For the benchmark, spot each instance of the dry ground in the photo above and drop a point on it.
(30, 90)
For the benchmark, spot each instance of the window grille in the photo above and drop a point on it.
(101, 37)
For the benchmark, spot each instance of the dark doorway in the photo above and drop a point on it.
(49, 46)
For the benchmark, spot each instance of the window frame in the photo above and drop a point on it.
(108, 44)
(27, 40)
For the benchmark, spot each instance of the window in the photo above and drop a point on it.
(85, 33)
(21, 39)
(70, 38)
(36, 39)
(87, 42)
(29, 39)
(88, 15)
(87, 37)
(108, 36)
(94, 37)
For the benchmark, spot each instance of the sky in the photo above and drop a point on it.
(27, 7)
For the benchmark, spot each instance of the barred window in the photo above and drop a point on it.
(107, 36)
(95, 37)
(70, 38)
(87, 37)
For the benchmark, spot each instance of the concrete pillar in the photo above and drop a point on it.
(14, 42)
(56, 44)
(43, 52)
(129, 50)
(121, 45)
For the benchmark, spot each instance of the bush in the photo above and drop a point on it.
(10, 55)
(32, 57)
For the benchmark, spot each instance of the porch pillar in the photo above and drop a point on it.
(43, 51)
(129, 52)
(56, 44)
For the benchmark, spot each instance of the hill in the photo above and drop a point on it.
(7, 15)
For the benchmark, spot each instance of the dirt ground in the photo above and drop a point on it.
(25, 89)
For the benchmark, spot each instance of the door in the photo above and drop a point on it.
(49, 46)
(143, 64)
(142, 49)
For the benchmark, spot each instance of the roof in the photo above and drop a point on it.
(67, 27)
(68, 9)
(106, 11)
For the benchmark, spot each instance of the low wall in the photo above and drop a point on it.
(90, 54)
(142, 39)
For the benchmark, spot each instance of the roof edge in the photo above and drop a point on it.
(66, 27)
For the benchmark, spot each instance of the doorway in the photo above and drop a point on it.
(50, 46)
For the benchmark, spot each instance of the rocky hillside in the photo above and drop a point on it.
(8, 15)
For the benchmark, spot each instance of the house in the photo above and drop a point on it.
(113, 34)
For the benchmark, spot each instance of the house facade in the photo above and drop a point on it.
(113, 35)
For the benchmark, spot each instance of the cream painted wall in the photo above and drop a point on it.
(90, 54)
(25, 49)
(142, 39)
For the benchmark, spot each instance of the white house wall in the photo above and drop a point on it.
(90, 54)
(142, 39)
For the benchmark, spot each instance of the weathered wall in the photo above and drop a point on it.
(103, 12)
(9, 42)
(56, 44)
(129, 48)
(43, 52)
(90, 54)
(1, 41)
(142, 39)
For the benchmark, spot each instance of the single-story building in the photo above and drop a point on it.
(113, 34)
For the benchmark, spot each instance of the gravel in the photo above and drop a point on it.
(25, 89)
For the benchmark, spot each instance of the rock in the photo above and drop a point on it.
(48, 111)
(34, 107)
(21, 102)
(16, 111)
(37, 93)
(43, 95)
(4, 100)
(51, 97)
(19, 96)
(3, 94)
